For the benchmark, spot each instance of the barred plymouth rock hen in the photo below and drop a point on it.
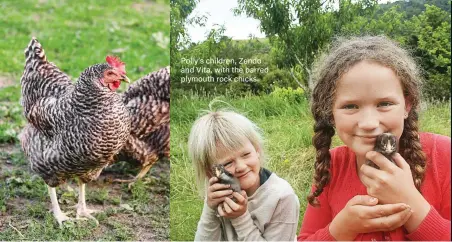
(73, 129)
(148, 101)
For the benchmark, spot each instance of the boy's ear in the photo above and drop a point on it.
(258, 149)
(209, 173)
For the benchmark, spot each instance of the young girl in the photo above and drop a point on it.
(267, 207)
(365, 87)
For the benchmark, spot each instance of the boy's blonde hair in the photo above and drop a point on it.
(226, 128)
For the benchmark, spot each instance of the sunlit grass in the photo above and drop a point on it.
(288, 130)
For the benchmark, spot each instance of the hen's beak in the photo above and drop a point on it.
(125, 78)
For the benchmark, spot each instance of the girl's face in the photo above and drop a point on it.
(244, 164)
(369, 101)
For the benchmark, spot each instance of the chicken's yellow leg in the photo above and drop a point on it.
(140, 175)
(60, 216)
(143, 172)
(82, 211)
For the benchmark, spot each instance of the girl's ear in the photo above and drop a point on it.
(330, 120)
(407, 107)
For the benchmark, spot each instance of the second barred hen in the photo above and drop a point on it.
(148, 101)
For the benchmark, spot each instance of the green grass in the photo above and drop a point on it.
(288, 129)
(141, 213)
(75, 35)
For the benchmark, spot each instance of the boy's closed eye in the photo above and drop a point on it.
(246, 154)
(228, 164)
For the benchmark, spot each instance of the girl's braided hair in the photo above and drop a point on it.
(344, 54)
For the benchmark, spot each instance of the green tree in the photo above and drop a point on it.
(430, 34)
(301, 29)
(180, 11)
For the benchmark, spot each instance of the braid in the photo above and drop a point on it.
(322, 142)
(328, 70)
(411, 149)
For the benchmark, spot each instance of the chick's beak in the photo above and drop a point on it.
(125, 78)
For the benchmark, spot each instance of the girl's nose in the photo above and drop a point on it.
(369, 121)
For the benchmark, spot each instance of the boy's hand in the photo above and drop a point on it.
(216, 193)
(231, 209)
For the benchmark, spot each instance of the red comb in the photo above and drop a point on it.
(116, 63)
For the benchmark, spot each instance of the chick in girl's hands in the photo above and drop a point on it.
(386, 144)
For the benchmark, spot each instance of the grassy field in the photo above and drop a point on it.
(75, 35)
(287, 129)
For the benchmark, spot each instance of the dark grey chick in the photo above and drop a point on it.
(386, 144)
(225, 177)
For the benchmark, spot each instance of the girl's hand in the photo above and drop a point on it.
(216, 193)
(230, 209)
(363, 215)
(392, 183)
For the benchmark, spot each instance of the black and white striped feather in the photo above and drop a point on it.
(148, 101)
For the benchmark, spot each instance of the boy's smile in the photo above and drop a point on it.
(243, 164)
(369, 101)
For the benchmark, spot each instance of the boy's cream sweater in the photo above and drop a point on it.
(272, 214)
